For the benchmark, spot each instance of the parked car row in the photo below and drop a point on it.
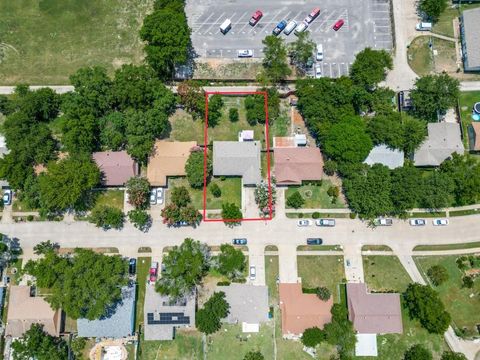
(318, 222)
(156, 196)
(413, 222)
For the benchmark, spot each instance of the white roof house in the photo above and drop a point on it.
(382, 154)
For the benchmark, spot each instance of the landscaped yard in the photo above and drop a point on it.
(43, 42)
(422, 60)
(385, 273)
(316, 196)
(444, 25)
(143, 266)
(318, 271)
(231, 192)
(458, 300)
(186, 346)
(113, 198)
(271, 276)
(466, 101)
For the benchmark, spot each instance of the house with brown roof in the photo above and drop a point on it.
(24, 310)
(302, 311)
(294, 165)
(373, 313)
(116, 167)
(474, 135)
(168, 159)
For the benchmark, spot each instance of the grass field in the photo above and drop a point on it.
(447, 246)
(385, 273)
(186, 346)
(465, 102)
(143, 265)
(231, 192)
(376, 248)
(271, 275)
(459, 303)
(45, 41)
(112, 198)
(420, 56)
(315, 196)
(318, 271)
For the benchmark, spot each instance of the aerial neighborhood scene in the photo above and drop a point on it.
(240, 180)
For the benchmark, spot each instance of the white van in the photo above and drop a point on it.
(226, 26)
(301, 28)
(292, 24)
(424, 26)
(319, 52)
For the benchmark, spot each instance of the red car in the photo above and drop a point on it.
(338, 25)
(315, 12)
(153, 272)
(255, 18)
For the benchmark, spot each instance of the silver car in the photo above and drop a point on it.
(417, 222)
(153, 197)
(440, 222)
(160, 196)
(304, 222)
(245, 53)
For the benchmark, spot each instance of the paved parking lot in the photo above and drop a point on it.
(367, 24)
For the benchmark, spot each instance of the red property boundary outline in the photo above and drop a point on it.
(205, 148)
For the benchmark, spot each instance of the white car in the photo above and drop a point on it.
(300, 28)
(318, 71)
(159, 196)
(245, 53)
(253, 273)
(304, 222)
(440, 222)
(417, 222)
(153, 197)
(319, 52)
(325, 222)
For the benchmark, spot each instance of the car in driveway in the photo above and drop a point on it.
(245, 53)
(417, 222)
(325, 222)
(279, 28)
(304, 222)
(153, 272)
(153, 197)
(312, 16)
(318, 71)
(239, 241)
(7, 197)
(132, 266)
(440, 222)
(314, 241)
(257, 15)
(253, 272)
(338, 24)
(159, 196)
(383, 222)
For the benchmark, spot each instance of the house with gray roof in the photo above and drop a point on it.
(162, 315)
(248, 305)
(470, 31)
(232, 158)
(119, 323)
(443, 140)
(382, 154)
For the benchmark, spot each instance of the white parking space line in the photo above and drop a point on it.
(218, 21)
(199, 25)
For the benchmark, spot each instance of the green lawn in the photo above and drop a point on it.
(444, 25)
(271, 276)
(265, 164)
(376, 248)
(457, 300)
(447, 246)
(18, 205)
(45, 41)
(187, 345)
(112, 198)
(420, 56)
(231, 192)
(464, 212)
(315, 196)
(466, 101)
(385, 273)
(318, 271)
(143, 265)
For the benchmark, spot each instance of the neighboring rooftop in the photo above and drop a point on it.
(294, 165)
(116, 167)
(289, 141)
(248, 303)
(382, 154)
(366, 345)
(474, 132)
(168, 159)
(232, 158)
(442, 141)
(246, 135)
(161, 317)
(302, 311)
(470, 29)
(373, 313)
(118, 324)
(26, 310)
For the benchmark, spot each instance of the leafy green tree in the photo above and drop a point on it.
(330, 167)
(194, 169)
(206, 322)
(180, 196)
(112, 131)
(417, 352)
(407, 188)
(450, 355)
(216, 308)
(313, 336)
(434, 93)
(85, 285)
(424, 304)
(172, 215)
(6, 106)
(107, 217)
(67, 183)
(80, 133)
(263, 194)
(414, 133)
(348, 141)
(437, 274)
(438, 191)
(215, 105)
(167, 35)
(255, 109)
(231, 214)
(215, 190)
(45, 247)
(185, 266)
(465, 173)
(231, 261)
(302, 49)
(333, 192)
(323, 293)
(370, 66)
(253, 355)
(340, 332)
(295, 200)
(41, 105)
(368, 193)
(140, 219)
(192, 97)
(233, 114)
(138, 192)
(274, 63)
(432, 8)
(37, 344)
(77, 346)
(387, 129)
(467, 282)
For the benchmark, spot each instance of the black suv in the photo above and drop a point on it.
(314, 241)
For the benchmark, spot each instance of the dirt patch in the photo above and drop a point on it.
(227, 69)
